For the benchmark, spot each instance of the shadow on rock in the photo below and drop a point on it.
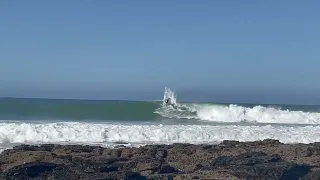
(253, 165)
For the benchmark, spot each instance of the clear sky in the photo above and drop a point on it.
(93, 48)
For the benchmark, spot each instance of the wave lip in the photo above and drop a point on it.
(260, 114)
(88, 133)
(235, 113)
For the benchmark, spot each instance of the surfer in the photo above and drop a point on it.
(169, 102)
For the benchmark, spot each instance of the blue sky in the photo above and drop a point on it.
(93, 48)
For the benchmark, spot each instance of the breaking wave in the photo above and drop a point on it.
(235, 113)
(288, 126)
(106, 134)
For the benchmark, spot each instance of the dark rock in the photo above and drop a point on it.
(271, 142)
(26, 147)
(30, 170)
(167, 169)
(250, 158)
(268, 159)
(315, 175)
(160, 154)
(161, 177)
(252, 165)
(229, 143)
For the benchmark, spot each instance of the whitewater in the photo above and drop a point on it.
(110, 124)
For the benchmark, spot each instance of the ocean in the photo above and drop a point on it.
(136, 123)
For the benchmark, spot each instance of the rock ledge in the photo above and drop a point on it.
(267, 159)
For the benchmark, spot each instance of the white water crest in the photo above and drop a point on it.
(235, 113)
(168, 94)
(106, 134)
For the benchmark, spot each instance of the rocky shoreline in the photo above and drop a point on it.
(267, 159)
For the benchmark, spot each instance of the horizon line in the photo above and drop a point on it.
(159, 100)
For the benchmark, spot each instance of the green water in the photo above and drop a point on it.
(16, 108)
(55, 109)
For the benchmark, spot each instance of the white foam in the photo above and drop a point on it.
(107, 134)
(236, 113)
(169, 94)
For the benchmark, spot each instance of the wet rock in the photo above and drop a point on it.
(252, 165)
(167, 169)
(267, 159)
(161, 153)
(30, 170)
(249, 158)
(314, 175)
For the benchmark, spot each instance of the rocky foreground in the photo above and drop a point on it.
(268, 159)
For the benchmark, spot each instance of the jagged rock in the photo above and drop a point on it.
(267, 159)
